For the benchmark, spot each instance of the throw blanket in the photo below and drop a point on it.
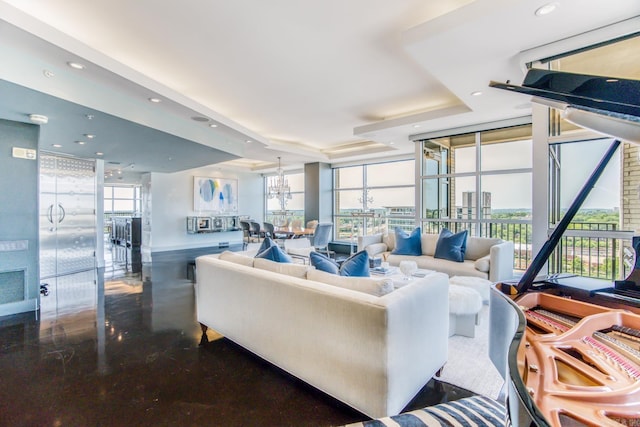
(470, 411)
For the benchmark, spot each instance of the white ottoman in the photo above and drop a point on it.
(482, 286)
(464, 306)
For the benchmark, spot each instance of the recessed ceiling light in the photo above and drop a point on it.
(416, 126)
(476, 93)
(80, 142)
(248, 141)
(611, 80)
(155, 100)
(99, 153)
(56, 145)
(89, 116)
(76, 65)
(199, 119)
(213, 125)
(48, 73)
(89, 135)
(546, 9)
(392, 143)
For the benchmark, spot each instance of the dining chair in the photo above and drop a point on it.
(301, 248)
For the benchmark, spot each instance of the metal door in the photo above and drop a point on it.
(67, 215)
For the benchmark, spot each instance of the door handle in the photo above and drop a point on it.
(50, 214)
(63, 213)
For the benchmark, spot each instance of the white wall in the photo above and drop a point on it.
(172, 202)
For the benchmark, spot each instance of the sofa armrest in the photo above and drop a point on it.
(501, 261)
(364, 241)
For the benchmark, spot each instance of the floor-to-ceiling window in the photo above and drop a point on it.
(122, 200)
(373, 198)
(293, 212)
(597, 242)
(480, 182)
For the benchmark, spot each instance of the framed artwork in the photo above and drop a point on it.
(215, 194)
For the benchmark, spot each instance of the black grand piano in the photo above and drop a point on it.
(569, 347)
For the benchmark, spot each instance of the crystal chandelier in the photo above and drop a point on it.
(278, 188)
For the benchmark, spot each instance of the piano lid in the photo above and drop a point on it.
(606, 105)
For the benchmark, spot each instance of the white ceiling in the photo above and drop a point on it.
(333, 80)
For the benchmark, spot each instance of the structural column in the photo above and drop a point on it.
(318, 196)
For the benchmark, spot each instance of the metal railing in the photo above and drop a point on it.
(596, 250)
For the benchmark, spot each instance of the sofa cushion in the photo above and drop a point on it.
(290, 269)
(408, 244)
(236, 258)
(477, 247)
(376, 249)
(357, 265)
(483, 264)
(451, 268)
(451, 246)
(323, 263)
(389, 239)
(368, 285)
(428, 241)
(274, 253)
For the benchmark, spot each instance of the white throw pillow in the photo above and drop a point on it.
(376, 249)
(483, 264)
(375, 287)
(429, 241)
(389, 240)
(236, 258)
(290, 269)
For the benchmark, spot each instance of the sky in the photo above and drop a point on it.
(508, 191)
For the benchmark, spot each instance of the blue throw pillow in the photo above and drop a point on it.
(451, 246)
(357, 265)
(323, 263)
(408, 244)
(266, 244)
(274, 253)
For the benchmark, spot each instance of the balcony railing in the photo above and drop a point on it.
(596, 250)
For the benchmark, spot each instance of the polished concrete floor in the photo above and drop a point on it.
(125, 352)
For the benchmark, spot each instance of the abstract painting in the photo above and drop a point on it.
(215, 194)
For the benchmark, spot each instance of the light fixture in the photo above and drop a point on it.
(56, 145)
(366, 197)
(155, 100)
(416, 126)
(213, 125)
(75, 65)
(90, 136)
(199, 119)
(279, 189)
(248, 141)
(392, 143)
(39, 119)
(476, 93)
(48, 73)
(80, 142)
(546, 9)
(89, 116)
(99, 153)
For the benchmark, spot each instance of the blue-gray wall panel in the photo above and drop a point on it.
(19, 206)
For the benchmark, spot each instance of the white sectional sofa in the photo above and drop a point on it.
(486, 258)
(373, 353)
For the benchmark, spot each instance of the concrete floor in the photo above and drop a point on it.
(125, 352)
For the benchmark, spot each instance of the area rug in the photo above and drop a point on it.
(471, 411)
(468, 365)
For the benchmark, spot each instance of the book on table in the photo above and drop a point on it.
(384, 271)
